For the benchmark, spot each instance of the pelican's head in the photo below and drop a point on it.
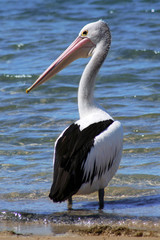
(98, 32)
(90, 37)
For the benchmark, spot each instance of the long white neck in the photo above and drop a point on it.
(86, 102)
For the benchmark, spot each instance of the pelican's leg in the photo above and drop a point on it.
(70, 203)
(101, 198)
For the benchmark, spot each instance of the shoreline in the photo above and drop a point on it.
(77, 224)
(38, 231)
(10, 236)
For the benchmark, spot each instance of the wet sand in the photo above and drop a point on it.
(97, 232)
(8, 236)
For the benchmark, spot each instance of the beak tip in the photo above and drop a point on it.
(27, 90)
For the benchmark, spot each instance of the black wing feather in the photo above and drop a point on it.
(71, 152)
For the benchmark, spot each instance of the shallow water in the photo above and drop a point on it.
(128, 86)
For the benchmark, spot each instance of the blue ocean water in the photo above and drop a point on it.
(33, 34)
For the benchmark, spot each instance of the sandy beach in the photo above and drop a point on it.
(9, 236)
(65, 232)
(12, 236)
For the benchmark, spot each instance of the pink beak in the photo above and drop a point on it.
(80, 48)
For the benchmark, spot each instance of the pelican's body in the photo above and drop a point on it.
(87, 153)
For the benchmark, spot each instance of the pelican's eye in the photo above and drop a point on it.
(84, 33)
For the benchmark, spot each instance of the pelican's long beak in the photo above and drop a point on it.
(81, 47)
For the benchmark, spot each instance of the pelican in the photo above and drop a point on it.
(87, 154)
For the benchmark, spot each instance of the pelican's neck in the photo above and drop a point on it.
(86, 102)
